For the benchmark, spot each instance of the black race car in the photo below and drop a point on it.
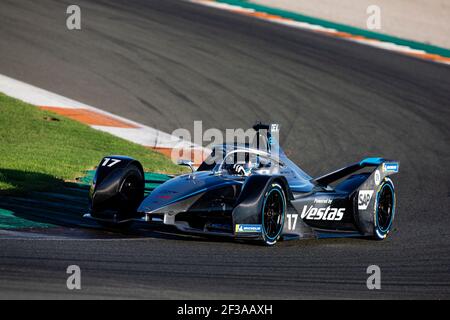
(251, 193)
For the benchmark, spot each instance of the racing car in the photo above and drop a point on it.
(251, 193)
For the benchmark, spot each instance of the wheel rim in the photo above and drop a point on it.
(273, 214)
(385, 208)
(130, 189)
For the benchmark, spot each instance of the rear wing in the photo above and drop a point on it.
(386, 168)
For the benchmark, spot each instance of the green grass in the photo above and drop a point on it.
(39, 150)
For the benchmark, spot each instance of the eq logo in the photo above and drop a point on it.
(364, 197)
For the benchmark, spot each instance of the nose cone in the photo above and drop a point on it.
(180, 189)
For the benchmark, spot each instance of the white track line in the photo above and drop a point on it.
(313, 27)
(142, 134)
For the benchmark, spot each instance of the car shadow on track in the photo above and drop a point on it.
(58, 212)
(16, 182)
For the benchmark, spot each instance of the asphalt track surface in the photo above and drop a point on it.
(168, 63)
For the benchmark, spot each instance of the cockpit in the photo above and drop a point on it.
(240, 161)
(265, 156)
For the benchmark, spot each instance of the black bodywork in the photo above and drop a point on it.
(214, 201)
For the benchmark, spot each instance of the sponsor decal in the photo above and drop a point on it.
(377, 177)
(323, 201)
(275, 127)
(364, 197)
(325, 213)
(251, 228)
(390, 167)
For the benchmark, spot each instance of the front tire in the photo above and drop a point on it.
(273, 214)
(119, 195)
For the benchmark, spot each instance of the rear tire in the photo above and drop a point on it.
(273, 214)
(384, 210)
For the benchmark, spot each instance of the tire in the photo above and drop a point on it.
(273, 214)
(131, 190)
(123, 199)
(384, 209)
